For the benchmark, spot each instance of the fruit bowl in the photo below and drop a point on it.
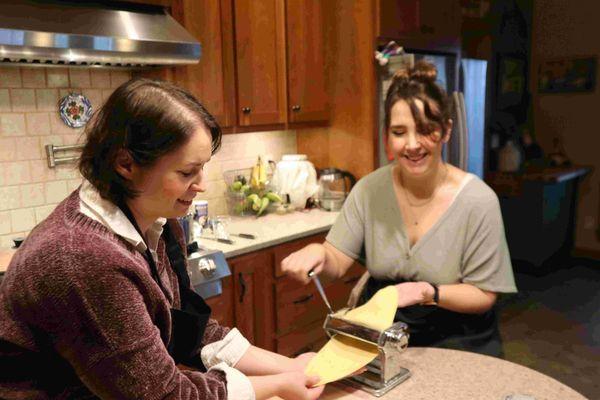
(248, 196)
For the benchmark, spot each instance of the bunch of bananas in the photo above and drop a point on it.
(258, 178)
(257, 196)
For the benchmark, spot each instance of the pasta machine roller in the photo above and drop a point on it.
(384, 372)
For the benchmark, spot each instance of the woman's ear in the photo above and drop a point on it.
(447, 131)
(124, 164)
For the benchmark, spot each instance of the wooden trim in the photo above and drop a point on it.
(309, 124)
(229, 65)
(593, 254)
(258, 128)
(160, 3)
(280, 37)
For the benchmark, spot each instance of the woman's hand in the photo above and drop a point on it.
(410, 293)
(300, 362)
(297, 386)
(300, 263)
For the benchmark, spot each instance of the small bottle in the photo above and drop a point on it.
(558, 158)
(509, 159)
(200, 217)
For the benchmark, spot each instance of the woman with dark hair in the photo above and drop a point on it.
(427, 227)
(97, 302)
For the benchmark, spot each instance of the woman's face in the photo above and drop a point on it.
(168, 187)
(416, 154)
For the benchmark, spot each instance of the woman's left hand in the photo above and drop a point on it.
(300, 362)
(410, 293)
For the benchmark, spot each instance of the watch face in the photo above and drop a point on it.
(75, 110)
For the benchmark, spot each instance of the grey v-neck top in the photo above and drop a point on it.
(467, 244)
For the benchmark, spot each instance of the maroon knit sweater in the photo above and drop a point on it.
(81, 317)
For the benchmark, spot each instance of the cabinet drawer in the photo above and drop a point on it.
(298, 305)
(308, 338)
(284, 250)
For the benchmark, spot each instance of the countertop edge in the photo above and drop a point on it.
(274, 242)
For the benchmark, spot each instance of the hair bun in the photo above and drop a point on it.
(402, 74)
(424, 72)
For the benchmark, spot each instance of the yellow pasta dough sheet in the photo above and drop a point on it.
(344, 355)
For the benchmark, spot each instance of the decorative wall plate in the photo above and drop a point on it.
(75, 110)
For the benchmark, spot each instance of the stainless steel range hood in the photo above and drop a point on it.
(62, 33)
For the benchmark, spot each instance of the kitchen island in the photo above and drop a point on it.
(452, 374)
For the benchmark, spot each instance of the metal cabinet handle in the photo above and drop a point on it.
(303, 299)
(246, 110)
(296, 108)
(243, 287)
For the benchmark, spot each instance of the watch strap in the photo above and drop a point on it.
(436, 293)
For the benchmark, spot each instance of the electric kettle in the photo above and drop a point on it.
(334, 186)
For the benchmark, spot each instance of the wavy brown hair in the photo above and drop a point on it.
(148, 119)
(419, 83)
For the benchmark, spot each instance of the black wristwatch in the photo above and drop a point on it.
(436, 293)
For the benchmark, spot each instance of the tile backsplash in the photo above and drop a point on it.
(29, 189)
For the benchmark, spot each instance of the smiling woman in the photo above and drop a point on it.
(97, 301)
(430, 229)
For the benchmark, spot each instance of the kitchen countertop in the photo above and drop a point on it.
(271, 230)
(452, 374)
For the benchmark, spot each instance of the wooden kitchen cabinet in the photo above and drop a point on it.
(420, 24)
(305, 48)
(262, 64)
(259, 62)
(251, 298)
(280, 48)
(222, 305)
(211, 80)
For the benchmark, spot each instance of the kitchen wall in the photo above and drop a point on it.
(29, 120)
(560, 30)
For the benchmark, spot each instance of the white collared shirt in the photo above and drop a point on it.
(221, 355)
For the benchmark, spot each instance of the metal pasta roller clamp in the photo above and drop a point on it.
(384, 372)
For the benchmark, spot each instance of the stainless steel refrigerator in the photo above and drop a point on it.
(467, 89)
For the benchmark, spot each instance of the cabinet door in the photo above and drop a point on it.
(252, 296)
(307, 99)
(212, 79)
(260, 62)
(222, 305)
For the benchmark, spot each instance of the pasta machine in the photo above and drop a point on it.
(384, 372)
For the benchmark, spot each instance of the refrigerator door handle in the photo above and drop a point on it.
(464, 148)
(459, 147)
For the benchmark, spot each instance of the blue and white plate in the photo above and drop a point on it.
(75, 110)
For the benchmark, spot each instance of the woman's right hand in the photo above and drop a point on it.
(300, 263)
(297, 386)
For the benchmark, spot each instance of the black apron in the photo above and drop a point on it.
(189, 322)
(432, 326)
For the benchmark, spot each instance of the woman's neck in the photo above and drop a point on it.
(143, 221)
(424, 186)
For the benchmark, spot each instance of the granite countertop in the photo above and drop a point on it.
(271, 230)
(452, 374)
